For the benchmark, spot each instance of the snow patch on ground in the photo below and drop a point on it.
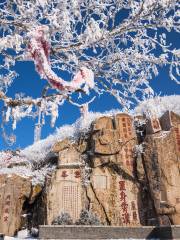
(23, 234)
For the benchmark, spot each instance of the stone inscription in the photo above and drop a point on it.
(6, 208)
(128, 156)
(123, 201)
(127, 131)
(177, 135)
(70, 200)
(134, 211)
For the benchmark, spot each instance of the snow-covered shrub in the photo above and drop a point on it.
(34, 232)
(87, 218)
(63, 219)
(139, 149)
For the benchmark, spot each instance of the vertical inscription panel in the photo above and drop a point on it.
(177, 137)
(70, 199)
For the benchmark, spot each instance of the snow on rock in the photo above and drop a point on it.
(22, 162)
(158, 106)
(23, 234)
(40, 149)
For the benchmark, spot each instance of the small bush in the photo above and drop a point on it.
(87, 218)
(63, 219)
(34, 232)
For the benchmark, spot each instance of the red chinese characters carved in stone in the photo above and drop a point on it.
(64, 174)
(6, 210)
(77, 174)
(123, 196)
(126, 217)
(7, 203)
(122, 186)
(8, 197)
(124, 206)
(5, 218)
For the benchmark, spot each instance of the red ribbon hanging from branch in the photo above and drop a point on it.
(39, 49)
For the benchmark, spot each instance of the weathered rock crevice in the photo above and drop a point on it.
(101, 205)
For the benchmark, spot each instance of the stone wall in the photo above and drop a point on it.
(103, 172)
(107, 232)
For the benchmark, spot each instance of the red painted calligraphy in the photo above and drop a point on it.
(5, 218)
(122, 186)
(126, 218)
(64, 174)
(77, 174)
(6, 210)
(8, 203)
(177, 132)
(124, 204)
(123, 196)
(8, 197)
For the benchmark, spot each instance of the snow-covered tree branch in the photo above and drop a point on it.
(102, 45)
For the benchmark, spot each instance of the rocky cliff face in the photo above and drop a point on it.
(125, 170)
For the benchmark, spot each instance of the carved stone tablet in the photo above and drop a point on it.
(70, 199)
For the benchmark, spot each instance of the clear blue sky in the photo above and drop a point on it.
(30, 83)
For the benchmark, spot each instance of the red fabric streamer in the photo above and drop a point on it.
(39, 49)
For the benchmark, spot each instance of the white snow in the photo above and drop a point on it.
(23, 234)
(158, 106)
(37, 152)
(40, 149)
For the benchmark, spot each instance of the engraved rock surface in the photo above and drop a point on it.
(112, 192)
(101, 172)
(113, 189)
(13, 192)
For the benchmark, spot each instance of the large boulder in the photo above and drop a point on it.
(113, 191)
(97, 173)
(162, 165)
(14, 192)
